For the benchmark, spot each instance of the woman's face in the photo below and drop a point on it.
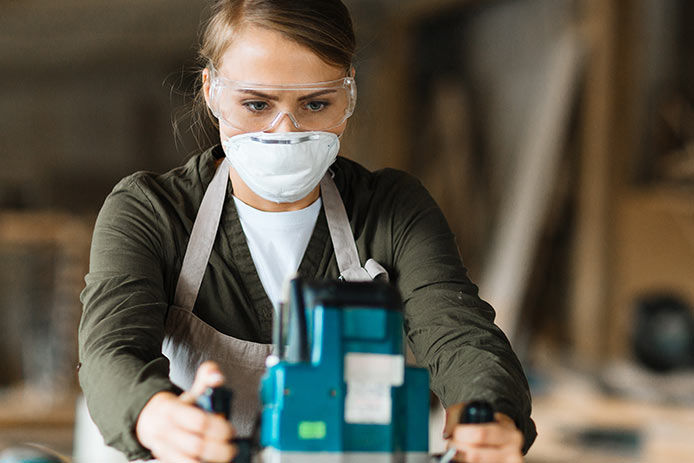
(262, 56)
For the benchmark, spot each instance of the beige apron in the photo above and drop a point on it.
(189, 341)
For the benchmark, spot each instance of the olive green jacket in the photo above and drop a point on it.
(139, 241)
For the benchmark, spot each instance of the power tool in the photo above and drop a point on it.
(336, 388)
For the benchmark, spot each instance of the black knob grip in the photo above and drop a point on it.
(478, 411)
(216, 400)
(244, 447)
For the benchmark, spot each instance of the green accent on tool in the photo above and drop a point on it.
(312, 430)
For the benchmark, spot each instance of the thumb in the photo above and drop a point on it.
(208, 375)
(452, 417)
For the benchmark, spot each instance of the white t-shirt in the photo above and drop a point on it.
(277, 241)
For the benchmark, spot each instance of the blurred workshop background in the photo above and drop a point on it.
(557, 136)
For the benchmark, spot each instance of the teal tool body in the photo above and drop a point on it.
(337, 388)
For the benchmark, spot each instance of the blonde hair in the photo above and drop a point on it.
(323, 26)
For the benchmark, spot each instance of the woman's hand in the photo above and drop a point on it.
(176, 431)
(497, 442)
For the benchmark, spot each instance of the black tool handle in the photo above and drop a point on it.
(218, 400)
(297, 338)
(477, 411)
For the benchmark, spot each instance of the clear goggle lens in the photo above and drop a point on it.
(257, 107)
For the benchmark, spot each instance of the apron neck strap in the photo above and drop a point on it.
(342, 237)
(202, 239)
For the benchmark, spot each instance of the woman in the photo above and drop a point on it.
(190, 262)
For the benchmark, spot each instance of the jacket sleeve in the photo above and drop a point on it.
(450, 330)
(122, 325)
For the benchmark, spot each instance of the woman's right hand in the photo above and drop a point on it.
(176, 431)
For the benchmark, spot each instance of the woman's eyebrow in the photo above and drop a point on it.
(318, 93)
(266, 96)
(258, 94)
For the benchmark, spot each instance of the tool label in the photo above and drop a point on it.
(369, 379)
(368, 403)
(375, 368)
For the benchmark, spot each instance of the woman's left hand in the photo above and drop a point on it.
(497, 442)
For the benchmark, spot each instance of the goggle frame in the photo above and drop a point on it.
(218, 83)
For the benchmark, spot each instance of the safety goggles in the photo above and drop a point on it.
(258, 107)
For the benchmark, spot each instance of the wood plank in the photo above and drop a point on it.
(589, 291)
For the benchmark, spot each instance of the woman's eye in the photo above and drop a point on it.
(256, 106)
(315, 106)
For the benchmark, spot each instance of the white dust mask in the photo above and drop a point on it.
(282, 167)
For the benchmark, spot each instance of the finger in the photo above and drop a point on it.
(208, 375)
(190, 418)
(492, 434)
(218, 452)
(185, 442)
(207, 447)
(209, 426)
(219, 429)
(168, 454)
(452, 416)
(460, 454)
(504, 419)
(488, 455)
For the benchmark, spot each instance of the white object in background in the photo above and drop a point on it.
(89, 446)
(526, 201)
